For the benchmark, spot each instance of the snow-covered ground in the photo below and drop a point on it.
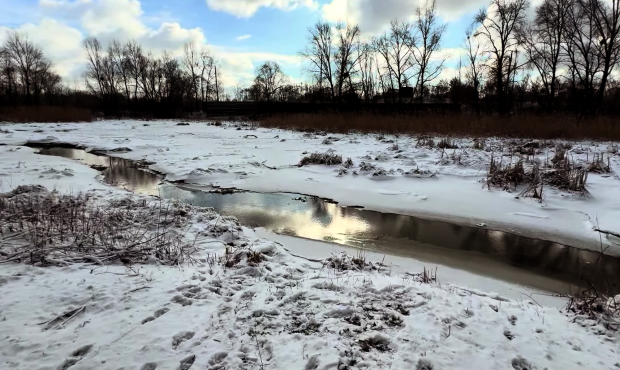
(265, 160)
(286, 312)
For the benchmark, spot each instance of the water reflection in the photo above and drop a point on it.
(119, 172)
(501, 255)
(476, 249)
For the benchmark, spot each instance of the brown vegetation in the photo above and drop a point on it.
(44, 114)
(43, 228)
(328, 159)
(522, 126)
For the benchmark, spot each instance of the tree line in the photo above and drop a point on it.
(562, 59)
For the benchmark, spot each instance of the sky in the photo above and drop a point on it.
(241, 33)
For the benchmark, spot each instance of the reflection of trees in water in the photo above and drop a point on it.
(538, 256)
(122, 171)
(320, 212)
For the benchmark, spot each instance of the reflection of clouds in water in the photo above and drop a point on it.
(320, 220)
(120, 172)
(123, 173)
(320, 212)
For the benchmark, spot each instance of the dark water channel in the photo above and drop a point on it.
(517, 259)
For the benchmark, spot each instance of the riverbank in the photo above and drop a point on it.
(247, 303)
(389, 173)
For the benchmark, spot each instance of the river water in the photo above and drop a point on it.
(509, 257)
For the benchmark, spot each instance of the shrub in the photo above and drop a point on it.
(447, 143)
(328, 159)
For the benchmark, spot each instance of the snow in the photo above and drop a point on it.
(288, 311)
(285, 313)
(430, 183)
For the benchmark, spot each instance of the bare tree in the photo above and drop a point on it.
(542, 42)
(500, 30)
(606, 17)
(94, 71)
(367, 77)
(581, 50)
(346, 56)
(395, 48)
(269, 79)
(44, 79)
(476, 64)
(430, 33)
(192, 65)
(24, 56)
(7, 75)
(207, 74)
(133, 57)
(117, 55)
(319, 54)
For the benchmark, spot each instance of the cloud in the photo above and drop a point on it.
(243, 37)
(247, 8)
(238, 66)
(374, 17)
(101, 17)
(60, 43)
(121, 20)
(124, 20)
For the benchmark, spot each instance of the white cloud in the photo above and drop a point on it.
(243, 37)
(60, 43)
(124, 20)
(374, 16)
(247, 8)
(101, 17)
(238, 66)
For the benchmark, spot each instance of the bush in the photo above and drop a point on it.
(507, 177)
(447, 143)
(328, 159)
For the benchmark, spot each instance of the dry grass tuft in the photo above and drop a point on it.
(44, 114)
(328, 159)
(507, 177)
(599, 165)
(447, 143)
(566, 175)
(425, 141)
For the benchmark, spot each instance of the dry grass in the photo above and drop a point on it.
(507, 176)
(522, 126)
(328, 159)
(44, 114)
(39, 227)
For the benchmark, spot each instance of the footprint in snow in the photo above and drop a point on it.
(187, 362)
(519, 363)
(181, 337)
(156, 314)
(218, 358)
(75, 357)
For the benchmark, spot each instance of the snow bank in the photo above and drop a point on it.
(405, 178)
(247, 303)
(294, 314)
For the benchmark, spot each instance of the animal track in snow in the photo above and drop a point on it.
(75, 357)
(156, 314)
(181, 337)
(187, 362)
